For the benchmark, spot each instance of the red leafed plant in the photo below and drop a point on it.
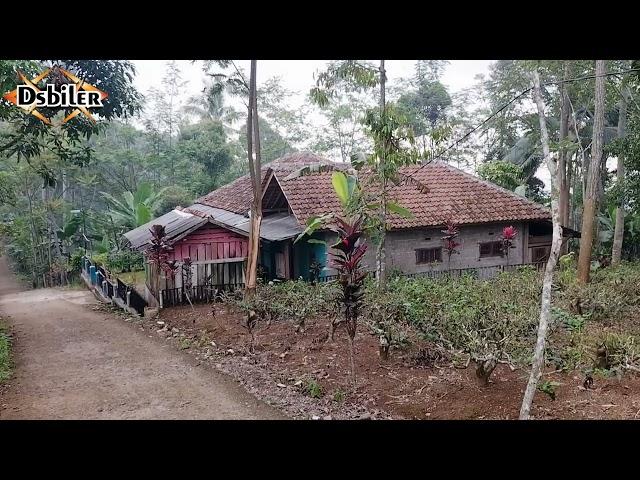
(350, 251)
(449, 239)
(158, 253)
(508, 239)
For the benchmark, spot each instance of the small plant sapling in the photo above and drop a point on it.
(315, 268)
(187, 278)
(449, 241)
(549, 388)
(158, 255)
(350, 252)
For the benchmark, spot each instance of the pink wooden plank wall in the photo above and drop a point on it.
(210, 243)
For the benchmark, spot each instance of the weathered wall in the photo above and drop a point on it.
(208, 243)
(401, 247)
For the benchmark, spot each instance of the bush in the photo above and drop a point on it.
(5, 353)
(477, 317)
(294, 301)
(124, 261)
(75, 262)
(99, 259)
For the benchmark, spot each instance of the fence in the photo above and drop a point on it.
(482, 273)
(115, 290)
(170, 297)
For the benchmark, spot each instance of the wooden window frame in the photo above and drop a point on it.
(496, 249)
(436, 252)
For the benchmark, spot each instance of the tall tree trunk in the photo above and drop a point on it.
(618, 235)
(590, 204)
(563, 177)
(537, 365)
(381, 271)
(253, 149)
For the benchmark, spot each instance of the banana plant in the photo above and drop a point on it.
(135, 208)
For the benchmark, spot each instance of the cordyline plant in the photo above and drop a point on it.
(350, 250)
(449, 240)
(187, 279)
(508, 240)
(347, 260)
(158, 254)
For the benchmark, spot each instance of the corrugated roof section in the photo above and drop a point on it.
(276, 227)
(175, 223)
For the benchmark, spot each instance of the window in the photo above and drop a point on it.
(428, 255)
(491, 249)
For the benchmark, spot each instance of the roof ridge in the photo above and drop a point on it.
(489, 184)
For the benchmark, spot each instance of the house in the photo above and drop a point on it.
(213, 232)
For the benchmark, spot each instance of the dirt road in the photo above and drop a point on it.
(75, 363)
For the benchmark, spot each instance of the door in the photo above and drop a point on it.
(540, 254)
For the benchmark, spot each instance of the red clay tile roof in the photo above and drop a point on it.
(452, 195)
(236, 196)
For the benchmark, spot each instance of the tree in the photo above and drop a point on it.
(255, 173)
(556, 242)
(593, 177)
(135, 208)
(387, 128)
(342, 135)
(206, 144)
(618, 236)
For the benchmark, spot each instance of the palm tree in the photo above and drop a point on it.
(135, 208)
(210, 104)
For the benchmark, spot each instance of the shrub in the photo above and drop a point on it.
(99, 259)
(124, 261)
(293, 301)
(313, 389)
(480, 318)
(5, 353)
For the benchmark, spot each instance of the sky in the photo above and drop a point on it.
(297, 75)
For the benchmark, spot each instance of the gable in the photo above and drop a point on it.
(273, 198)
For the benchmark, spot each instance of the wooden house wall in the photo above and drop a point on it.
(210, 243)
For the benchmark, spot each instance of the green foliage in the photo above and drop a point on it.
(313, 389)
(124, 261)
(425, 107)
(505, 174)
(339, 396)
(292, 301)
(5, 353)
(575, 323)
(549, 388)
(75, 262)
(621, 350)
(135, 208)
(476, 317)
(100, 259)
(184, 344)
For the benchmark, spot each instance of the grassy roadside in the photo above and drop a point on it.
(5, 352)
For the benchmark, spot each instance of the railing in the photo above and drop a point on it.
(122, 289)
(136, 301)
(170, 297)
(102, 280)
(482, 273)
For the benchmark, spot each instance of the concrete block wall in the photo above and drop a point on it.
(401, 247)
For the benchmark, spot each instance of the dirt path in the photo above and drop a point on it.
(75, 363)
